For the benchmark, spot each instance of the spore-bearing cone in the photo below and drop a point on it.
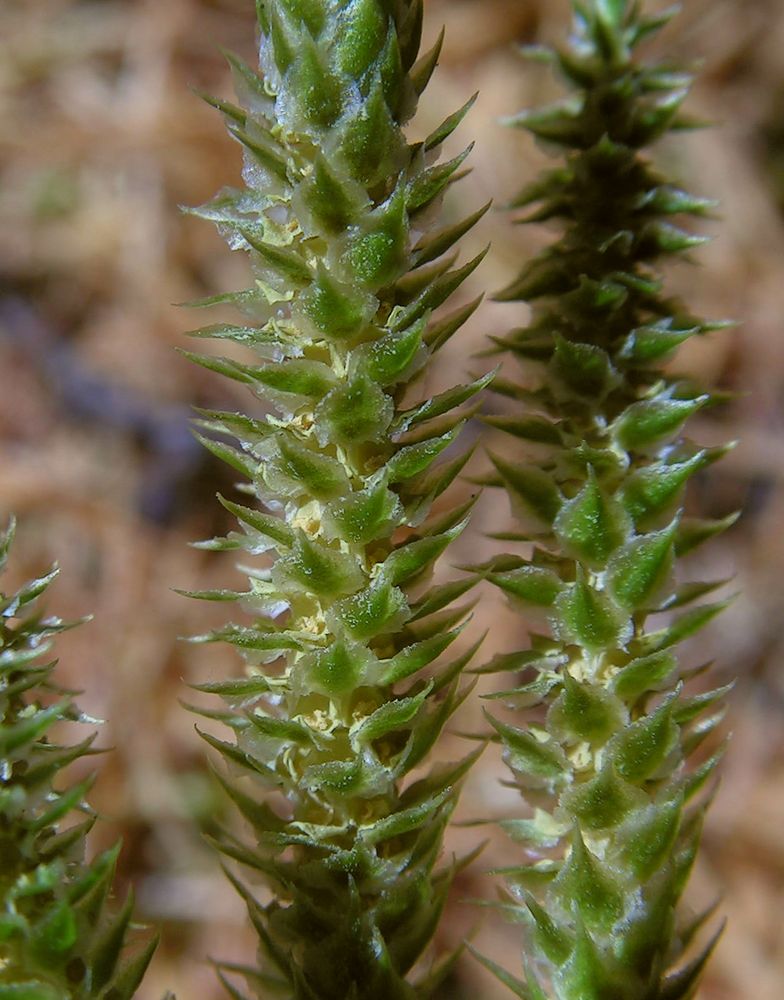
(346, 691)
(609, 758)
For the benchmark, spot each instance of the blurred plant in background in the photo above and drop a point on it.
(94, 100)
(62, 936)
(605, 759)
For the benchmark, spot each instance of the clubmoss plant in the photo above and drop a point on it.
(606, 759)
(343, 698)
(60, 936)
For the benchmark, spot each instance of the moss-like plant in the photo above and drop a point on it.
(60, 937)
(343, 698)
(606, 757)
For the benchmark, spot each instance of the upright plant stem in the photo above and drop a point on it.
(605, 757)
(342, 699)
(60, 936)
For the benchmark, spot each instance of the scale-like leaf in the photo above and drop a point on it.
(596, 463)
(345, 695)
(58, 915)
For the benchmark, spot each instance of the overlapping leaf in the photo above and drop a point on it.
(62, 937)
(347, 693)
(606, 761)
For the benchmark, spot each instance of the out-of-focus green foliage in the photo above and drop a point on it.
(604, 758)
(60, 936)
(344, 696)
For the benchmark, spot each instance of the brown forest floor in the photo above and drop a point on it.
(100, 140)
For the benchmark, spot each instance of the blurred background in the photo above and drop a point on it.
(101, 140)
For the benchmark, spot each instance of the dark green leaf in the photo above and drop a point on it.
(647, 422)
(310, 379)
(413, 459)
(442, 403)
(643, 747)
(638, 570)
(231, 456)
(364, 515)
(587, 616)
(379, 253)
(436, 294)
(362, 32)
(282, 730)
(411, 559)
(314, 86)
(285, 263)
(645, 674)
(273, 528)
(337, 311)
(448, 126)
(354, 412)
(370, 139)
(693, 531)
(425, 66)
(683, 627)
(587, 886)
(404, 821)
(316, 474)
(531, 488)
(339, 669)
(376, 609)
(517, 987)
(530, 584)
(316, 568)
(390, 359)
(108, 945)
(415, 657)
(651, 491)
(651, 344)
(584, 368)
(431, 182)
(585, 712)
(527, 428)
(433, 245)
(438, 333)
(603, 802)
(333, 204)
(389, 717)
(544, 762)
(648, 837)
(592, 525)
